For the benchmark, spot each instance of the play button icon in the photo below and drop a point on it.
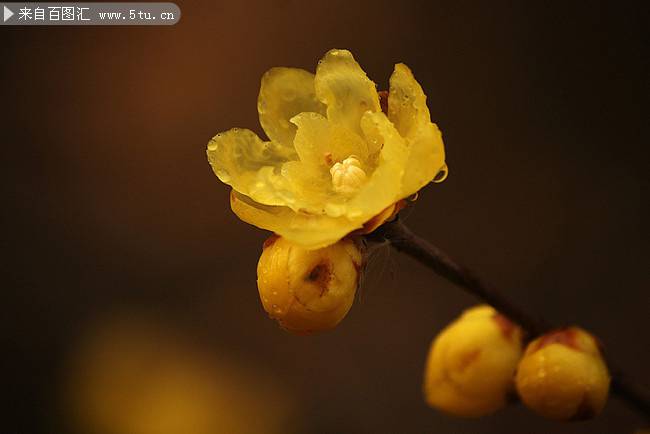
(7, 13)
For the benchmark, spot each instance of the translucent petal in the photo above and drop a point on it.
(322, 143)
(407, 109)
(285, 92)
(310, 186)
(384, 185)
(308, 230)
(324, 128)
(426, 158)
(242, 160)
(342, 85)
(407, 104)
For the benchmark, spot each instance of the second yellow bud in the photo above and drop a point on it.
(472, 362)
(563, 375)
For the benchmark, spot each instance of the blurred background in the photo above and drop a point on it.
(131, 304)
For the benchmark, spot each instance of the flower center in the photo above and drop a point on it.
(347, 176)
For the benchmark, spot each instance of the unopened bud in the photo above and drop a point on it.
(308, 290)
(563, 376)
(472, 362)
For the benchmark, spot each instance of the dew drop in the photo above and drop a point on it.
(441, 175)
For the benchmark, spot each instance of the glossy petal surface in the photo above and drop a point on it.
(312, 231)
(284, 93)
(345, 89)
(251, 166)
(334, 160)
(407, 108)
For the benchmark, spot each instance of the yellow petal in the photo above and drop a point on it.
(383, 187)
(285, 92)
(407, 103)
(342, 85)
(242, 160)
(407, 109)
(322, 143)
(311, 186)
(426, 159)
(306, 230)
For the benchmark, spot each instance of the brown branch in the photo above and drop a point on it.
(403, 240)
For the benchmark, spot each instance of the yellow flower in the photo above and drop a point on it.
(334, 159)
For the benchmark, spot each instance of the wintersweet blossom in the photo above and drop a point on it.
(334, 160)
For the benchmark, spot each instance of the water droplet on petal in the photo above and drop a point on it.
(442, 174)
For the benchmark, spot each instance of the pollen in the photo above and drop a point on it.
(347, 176)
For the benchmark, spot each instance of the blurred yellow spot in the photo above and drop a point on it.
(134, 377)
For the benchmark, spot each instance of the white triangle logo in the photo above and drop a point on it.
(7, 13)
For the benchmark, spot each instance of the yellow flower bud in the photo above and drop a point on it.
(563, 375)
(308, 290)
(472, 362)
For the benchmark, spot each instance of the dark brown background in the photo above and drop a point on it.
(109, 204)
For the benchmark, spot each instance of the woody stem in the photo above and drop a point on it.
(405, 241)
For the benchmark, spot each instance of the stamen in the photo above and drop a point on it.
(347, 176)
